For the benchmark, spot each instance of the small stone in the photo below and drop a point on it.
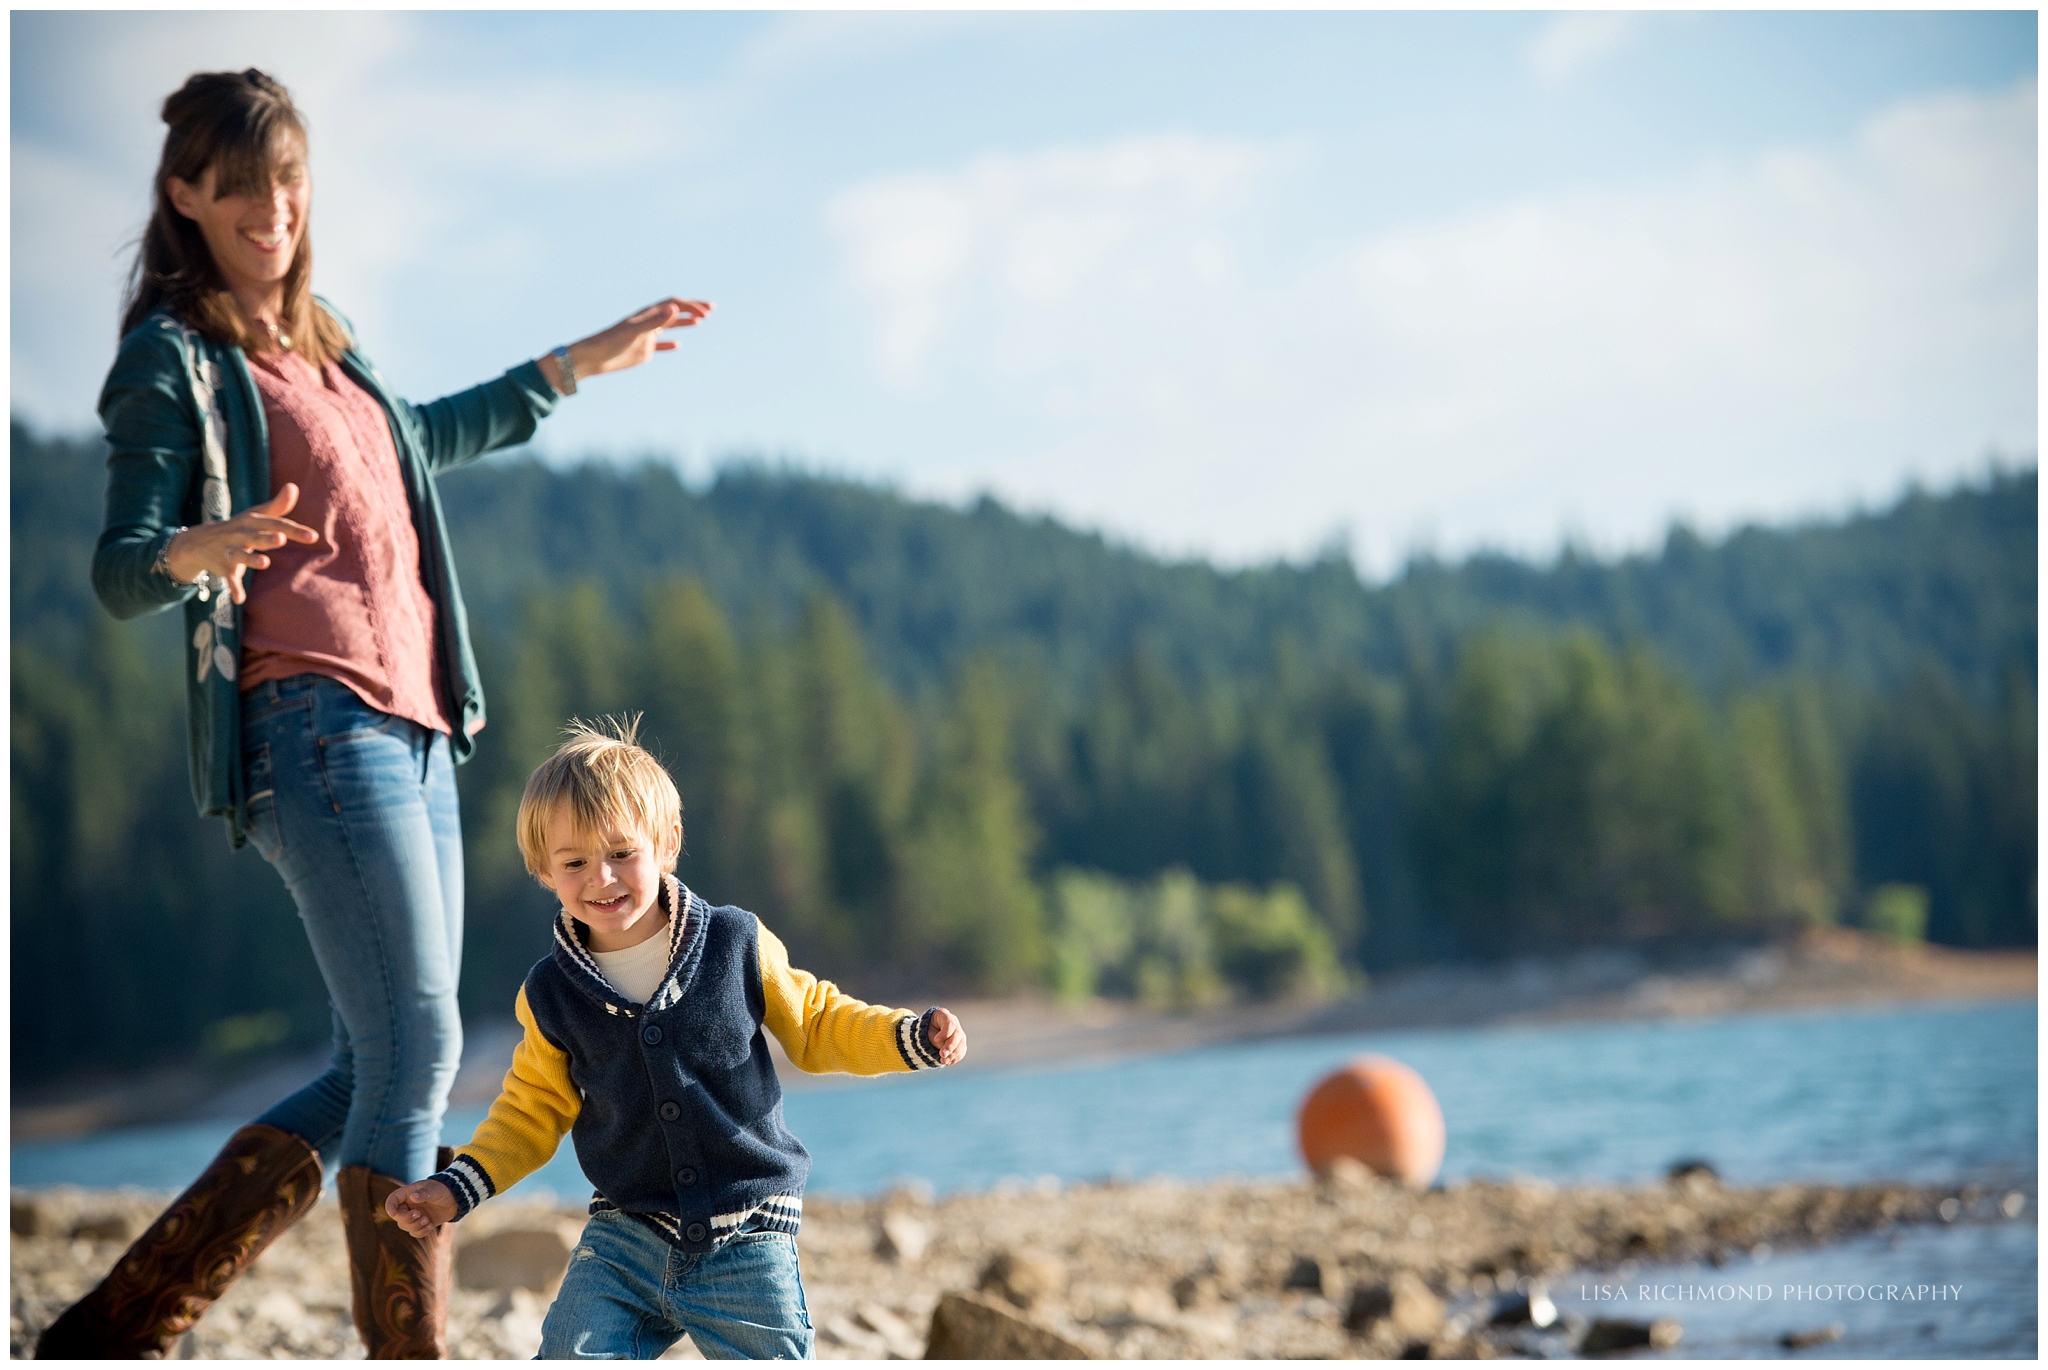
(1693, 1168)
(843, 1331)
(1347, 1174)
(1148, 1303)
(1533, 1309)
(2013, 1204)
(105, 1227)
(27, 1218)
(1404, 1305)
(1950, 1210)
(901, 1238)
(533, 1258)
(1812, 1336)
(901, 1342)
(1317, 1274)
(279, 1309)
(1024, 1278)
(1607, 1336)
(1228, 1263)
(882, 1321)
(976, 1327)
(1194, 1291)
(519, 1314)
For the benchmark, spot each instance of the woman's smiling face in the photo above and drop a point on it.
(254, 236)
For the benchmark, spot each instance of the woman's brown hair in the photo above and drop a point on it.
(244, 126)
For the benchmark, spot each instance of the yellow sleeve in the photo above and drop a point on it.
(824, 1030)
(536, 1106)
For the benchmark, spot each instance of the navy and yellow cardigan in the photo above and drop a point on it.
(674, 1104)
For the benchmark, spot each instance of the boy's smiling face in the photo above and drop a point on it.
(609, 881)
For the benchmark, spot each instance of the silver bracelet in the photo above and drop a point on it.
(207, 582)
(567, 385)
(162, 564)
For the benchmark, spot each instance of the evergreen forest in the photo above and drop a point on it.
(962, 750)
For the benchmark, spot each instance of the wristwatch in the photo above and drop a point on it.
(567, 385)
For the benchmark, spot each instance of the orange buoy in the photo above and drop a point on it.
(1377, 1111)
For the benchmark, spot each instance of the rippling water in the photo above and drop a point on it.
(1927, 1093)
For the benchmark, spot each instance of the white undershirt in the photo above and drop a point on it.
(637, 971)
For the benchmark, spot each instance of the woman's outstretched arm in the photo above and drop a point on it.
(506, 411)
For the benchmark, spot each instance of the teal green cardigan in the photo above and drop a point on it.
(187, 443)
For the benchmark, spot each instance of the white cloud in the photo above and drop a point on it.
(1032, 242)
(1763, 338)
(1570, 43)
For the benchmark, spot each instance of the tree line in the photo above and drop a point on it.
(1031, 809)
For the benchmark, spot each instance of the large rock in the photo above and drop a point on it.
(533, 1258)
(1024, 1278)
(977, 1327)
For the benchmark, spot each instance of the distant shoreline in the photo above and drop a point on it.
(1822, 969)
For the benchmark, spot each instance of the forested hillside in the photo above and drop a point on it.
(938, 747)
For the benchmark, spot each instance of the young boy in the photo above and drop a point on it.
(643, 1039)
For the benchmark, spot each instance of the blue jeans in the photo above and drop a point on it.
(356, 809)
(629, 1295)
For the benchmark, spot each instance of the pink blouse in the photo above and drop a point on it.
(350, 606)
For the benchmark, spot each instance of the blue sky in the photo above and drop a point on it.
(1221, 284)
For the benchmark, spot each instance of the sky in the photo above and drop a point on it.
(1230, 285)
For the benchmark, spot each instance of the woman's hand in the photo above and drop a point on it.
(949, 1038)
(421, 1206)
(628, 342)
(231, 546)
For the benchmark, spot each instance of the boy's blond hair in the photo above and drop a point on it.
(609, 782)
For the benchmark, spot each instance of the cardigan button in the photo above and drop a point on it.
(687, 1176)
(671, 1111)
(696, 1232)
(651, 1034)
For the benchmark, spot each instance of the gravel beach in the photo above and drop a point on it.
(1349, 1266)
(1226, 1269)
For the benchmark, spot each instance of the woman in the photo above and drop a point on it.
(262, 475)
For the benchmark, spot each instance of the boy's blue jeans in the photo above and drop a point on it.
(629, 1295)
(356, 809)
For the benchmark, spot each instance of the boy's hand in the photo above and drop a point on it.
(949, 1039)
(421, 1207)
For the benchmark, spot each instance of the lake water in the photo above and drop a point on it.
(1933, 1093)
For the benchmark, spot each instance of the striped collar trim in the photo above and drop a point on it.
(681, 916)
(675, 897)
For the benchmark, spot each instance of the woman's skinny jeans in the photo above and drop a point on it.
(356, 809)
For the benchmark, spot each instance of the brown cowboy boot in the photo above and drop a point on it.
(398, 1283)
(263, 1181)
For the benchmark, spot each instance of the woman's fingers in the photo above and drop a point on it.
(280, 503)
(635, 338)
(284, 530)
(271, 514)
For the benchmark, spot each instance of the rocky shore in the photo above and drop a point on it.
(1345, 1266)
